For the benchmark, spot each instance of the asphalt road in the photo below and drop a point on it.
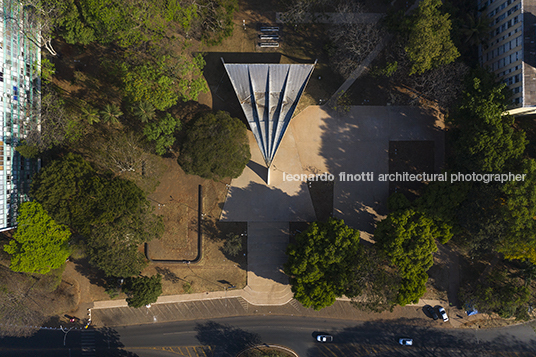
(230, 335)
(225, 337)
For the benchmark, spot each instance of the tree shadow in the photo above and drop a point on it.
(357, 142)
(103, 342)
(225, 340)
(94, 275)
(358, 340)
(384, 334)
(108, 343)
(169, 275)
(228, 229)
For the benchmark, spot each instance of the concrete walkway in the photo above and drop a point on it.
(266, 282)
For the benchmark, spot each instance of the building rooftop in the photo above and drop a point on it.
(269, 94)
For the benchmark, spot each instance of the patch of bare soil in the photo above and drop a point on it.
(29, 299)
(176, 198)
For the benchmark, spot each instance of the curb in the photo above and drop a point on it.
(286, 349)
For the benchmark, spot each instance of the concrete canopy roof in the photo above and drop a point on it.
(269, 94)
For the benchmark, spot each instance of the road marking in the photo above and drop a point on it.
(185, 351)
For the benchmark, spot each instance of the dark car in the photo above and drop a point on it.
(432, 312)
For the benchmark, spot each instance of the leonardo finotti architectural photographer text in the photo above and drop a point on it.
(406, 176)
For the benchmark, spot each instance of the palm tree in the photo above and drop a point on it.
(145, 112)
(111, 113)
(476, 30)
(91, 114)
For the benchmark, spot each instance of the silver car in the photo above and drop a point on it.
(443, 314)
(324, 338)
(406, 341)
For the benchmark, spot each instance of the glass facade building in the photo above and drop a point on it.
(20, 91)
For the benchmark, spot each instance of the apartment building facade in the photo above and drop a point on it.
(511, 50)
(20, 91)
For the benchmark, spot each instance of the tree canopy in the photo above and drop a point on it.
(429, 43)
(162, 132)
(407, 238)
(216, 145)
(320, 262)
(111, 213)
(132, 22)
(143, 290)
(161, 81)
(39, 243)
(486, 139)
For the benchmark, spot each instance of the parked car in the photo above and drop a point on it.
(432, 312)
(324, 338)
(443, 314)
(406, 341)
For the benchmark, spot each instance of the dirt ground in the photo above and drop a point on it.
(176, 198)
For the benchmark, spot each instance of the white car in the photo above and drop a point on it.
(406, 341)
(443, 314)
(324, 338)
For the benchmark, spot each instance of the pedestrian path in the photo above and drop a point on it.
(266, 282)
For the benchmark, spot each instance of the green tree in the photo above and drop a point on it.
(39, 244)
(216, 145)
(47, 69)
(232, 245)
(28, 151)
(58, 185)
(518, 206)
(161, 82)
(407, 239)
(374, 285)
(486, 140)
(111, 213)
(429, 43)
(111, 113)
(145, 112)
(162, 132)
(143, 290)
(91, 114)
(320, 262)
(114, 250)
(475, 29)
(499, 292)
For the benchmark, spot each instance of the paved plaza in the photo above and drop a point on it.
(321, 140)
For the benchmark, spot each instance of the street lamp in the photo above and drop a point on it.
(65, 333)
